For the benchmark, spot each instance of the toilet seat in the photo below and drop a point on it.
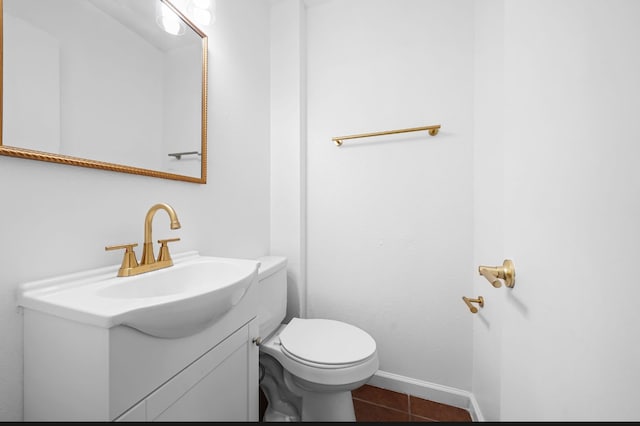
(320, 365)
(326, 343)
(349, 366)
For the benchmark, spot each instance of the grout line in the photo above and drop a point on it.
(398, 411)
(386, 406)
(382, 406)
(424, 418)
(409, 411)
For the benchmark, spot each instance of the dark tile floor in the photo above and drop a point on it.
(374, 404)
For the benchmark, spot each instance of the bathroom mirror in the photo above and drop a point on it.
(118, 85)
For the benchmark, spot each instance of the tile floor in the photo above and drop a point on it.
(374, 404)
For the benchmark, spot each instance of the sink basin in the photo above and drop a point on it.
(173, 302)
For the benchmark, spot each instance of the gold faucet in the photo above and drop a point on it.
(147, 248)
(148, 261)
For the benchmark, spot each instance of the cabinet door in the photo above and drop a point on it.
(222, 385)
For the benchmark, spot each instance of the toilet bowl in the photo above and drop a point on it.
(308, 367)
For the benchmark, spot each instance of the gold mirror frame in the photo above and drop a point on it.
(94, 164)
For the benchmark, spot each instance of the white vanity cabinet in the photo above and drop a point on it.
(79, 372)
(219, 386)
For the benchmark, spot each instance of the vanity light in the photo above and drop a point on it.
(201, 16)
(202, 11)
(167, 20)
(201, 4)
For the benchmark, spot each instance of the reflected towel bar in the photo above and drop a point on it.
(179, 155)
(433, 130)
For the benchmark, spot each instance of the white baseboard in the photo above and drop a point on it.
(431, 391)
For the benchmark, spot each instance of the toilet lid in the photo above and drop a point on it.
(324, 341)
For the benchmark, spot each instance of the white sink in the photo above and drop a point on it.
(172, 302)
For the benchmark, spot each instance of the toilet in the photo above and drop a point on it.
(308, 367)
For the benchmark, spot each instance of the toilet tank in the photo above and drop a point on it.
(272, 293)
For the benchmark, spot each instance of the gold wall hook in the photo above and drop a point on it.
(494, 274)
(479, 301)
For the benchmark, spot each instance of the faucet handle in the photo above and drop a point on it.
(164, 249)
(129, 260)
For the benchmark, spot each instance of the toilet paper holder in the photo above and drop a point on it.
(494, 274)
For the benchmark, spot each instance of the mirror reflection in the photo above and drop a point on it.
(113, 84)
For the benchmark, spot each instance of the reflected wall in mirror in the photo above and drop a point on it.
(118, 85)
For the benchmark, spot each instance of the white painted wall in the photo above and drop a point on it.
(390, 218)
(93, 121)
(288, 146)
(36, 61)
(57, 219)
(489, 209)
(568, 343)
(182, 117)
(91, 86)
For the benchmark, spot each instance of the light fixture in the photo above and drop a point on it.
(201, 4)
(168, 20)
(201, 16)
(202, 12)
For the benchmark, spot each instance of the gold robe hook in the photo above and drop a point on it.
(479, 301)
(494, 274)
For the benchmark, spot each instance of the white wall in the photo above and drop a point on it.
(288, 147)
(36, 62)
(390, 218)
(57, 219)
(91, 85)
(182, 117)
(489, 209)
(569, 344)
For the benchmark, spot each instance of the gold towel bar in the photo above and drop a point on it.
(433, 130)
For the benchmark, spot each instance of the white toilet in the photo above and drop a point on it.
(308, 367)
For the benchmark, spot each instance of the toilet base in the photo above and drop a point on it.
(316, 407)
(328, 407)
(289, 402)
(282, 404)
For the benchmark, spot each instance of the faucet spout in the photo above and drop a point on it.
(147, 248)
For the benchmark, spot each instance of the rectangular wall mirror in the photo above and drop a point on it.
(117, 85)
